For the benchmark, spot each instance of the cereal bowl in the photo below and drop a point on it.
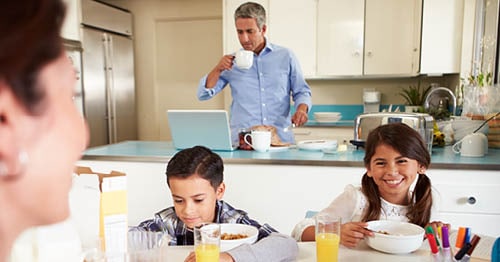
(233, 235)
(395, 237)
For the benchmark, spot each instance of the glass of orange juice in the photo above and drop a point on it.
(327, 238)
(207, 242)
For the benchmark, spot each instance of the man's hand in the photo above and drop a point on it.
(300, 117)
(225, 63)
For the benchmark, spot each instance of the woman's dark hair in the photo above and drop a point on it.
(410, 144)
(199, 161)
(30, 39)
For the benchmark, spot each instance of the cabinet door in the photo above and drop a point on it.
(71, 26)
(441, 36)
(340, 37)
(230, 38)
(292, 24)
(392, 37)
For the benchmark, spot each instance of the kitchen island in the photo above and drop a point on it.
(280, 187)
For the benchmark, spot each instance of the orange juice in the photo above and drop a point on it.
(327, 247)
(207, 253)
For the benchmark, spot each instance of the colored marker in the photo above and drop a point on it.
(460, 237)
(429, 230)
(432, 243)
(440, 232)
(473, 242)
(445, 237)
(461, 253)
(467, 235)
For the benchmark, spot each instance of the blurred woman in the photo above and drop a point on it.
(42, 134)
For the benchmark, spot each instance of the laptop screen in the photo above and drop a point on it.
(209, 128)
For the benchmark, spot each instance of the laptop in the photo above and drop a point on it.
(209, 128)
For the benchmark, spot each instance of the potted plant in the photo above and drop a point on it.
(414, 98)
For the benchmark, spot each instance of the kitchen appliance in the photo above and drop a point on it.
(108, 73)
(364, 123)
(371, 101)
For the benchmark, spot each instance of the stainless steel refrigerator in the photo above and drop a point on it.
(108, 73)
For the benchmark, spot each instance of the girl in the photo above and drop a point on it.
(394, 186)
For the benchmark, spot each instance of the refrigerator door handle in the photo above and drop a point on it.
(109, 89)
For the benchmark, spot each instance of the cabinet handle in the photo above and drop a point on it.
(471, 200)
(369, 54)
(356, 54)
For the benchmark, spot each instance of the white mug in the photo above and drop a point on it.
(244, 59)
(472, 145)
(261, 140)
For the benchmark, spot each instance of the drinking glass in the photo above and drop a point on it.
(207, 242)
(327, 238)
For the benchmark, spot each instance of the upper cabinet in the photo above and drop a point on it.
(442, 36)
(357, 37)
(340, 37)
(294, 27)
(71, 27)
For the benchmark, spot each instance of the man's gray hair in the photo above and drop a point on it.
(251, 10)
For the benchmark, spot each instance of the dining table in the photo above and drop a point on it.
(362, 253)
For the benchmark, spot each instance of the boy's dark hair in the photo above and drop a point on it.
(197, 160)
(410, 144)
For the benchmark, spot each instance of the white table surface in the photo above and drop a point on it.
(307, 253)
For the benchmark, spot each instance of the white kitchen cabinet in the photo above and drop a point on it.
(368, 37)
(71, 26)
(340, 37)
(469, 199)
(441, 36)
(230, 37)
(292, 24)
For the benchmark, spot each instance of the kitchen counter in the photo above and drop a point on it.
(457, 178)
(162, 151)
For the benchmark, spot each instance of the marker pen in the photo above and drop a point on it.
(445, 237)
(460, 237)
(473, 243)
(432, 243)
(429, 230)
(467, 235)
(461, 253)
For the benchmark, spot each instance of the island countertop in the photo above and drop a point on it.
(162, 151)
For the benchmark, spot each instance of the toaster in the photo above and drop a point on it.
(364, 123)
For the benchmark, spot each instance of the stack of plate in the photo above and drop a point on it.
(327, 117)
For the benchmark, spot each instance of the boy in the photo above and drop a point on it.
(195, 179)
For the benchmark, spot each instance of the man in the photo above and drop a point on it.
(261, 94)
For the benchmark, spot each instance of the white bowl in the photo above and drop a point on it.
(402, 237)
(323, 117)
(326, 114)
(316, 145)
(251, 232)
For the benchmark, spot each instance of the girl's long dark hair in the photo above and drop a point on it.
(409, 143)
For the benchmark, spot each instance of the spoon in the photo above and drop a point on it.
(486, 121)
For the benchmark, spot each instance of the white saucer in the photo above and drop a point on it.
(316, 145)
(278, 148)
